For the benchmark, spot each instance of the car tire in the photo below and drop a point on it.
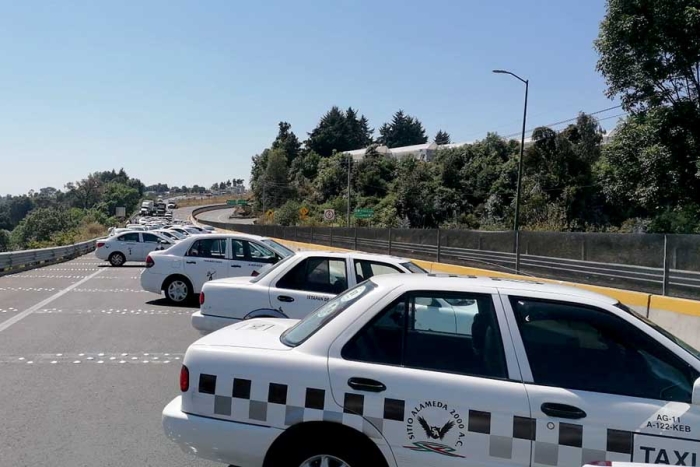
(117, 259)
(335, 455)
(178, 290)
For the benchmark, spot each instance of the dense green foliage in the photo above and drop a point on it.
(55, 217)
(645, 179)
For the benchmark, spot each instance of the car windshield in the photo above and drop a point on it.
(274, 267)
(278, 247)
(687, 347)
(414, 268)
(305, 328)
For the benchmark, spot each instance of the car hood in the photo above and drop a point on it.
(262, 333)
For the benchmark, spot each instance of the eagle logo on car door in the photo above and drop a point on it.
(210, 275)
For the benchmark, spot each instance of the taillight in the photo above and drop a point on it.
(255, 274)
(184, 379)
(149, 261)
(201, 298)
(601, 463)
(100, 244)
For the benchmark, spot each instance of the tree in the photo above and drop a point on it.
(650, 52)
(372, 175)
(339, 131)
(4, 240)
(19, 207)
(117, 194)
(287, 142)
(442, 137)
(86, 192)
(276, 189)
(332, 178)
(41, 224)
(403, 130)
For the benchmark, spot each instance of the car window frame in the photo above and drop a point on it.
(502, 333)
(225, 256)
(138, 237)
(360, 261)
(158, 238)
(530, 378)
(247, 251)
(306, 262)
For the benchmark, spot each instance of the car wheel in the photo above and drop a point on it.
(117, 259)
(333, 455)
(178, 290)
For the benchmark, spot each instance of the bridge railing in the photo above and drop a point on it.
(13, 261)
(652, 263)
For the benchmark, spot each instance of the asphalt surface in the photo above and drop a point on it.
(87, 362)
(222, 215)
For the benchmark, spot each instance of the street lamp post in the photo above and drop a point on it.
(516, 226)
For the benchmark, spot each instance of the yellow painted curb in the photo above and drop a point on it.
(677, 305)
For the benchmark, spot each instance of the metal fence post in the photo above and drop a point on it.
(312, 234)
(664, 288)
(389, 240)
(438, 245)
(331, 236)
(355, 238)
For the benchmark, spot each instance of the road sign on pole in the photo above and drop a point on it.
(270, 213)
(121, 211)
(329, 215)
(364, 213)
(303, 212)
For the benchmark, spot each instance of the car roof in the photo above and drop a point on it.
(354, 255)
(457, 283)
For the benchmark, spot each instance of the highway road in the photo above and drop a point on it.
(222, 215)
(87, 362)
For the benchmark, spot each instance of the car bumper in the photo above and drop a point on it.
(207, 323)
(151, 282)
(240, 444)
(102, 253)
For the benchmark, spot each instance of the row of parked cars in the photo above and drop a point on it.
(351, 359)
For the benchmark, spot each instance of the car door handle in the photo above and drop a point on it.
(562, 410)
(235, 265)
(366, 384)
(285, 298)
(190, 262)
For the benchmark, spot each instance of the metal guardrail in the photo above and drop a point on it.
(18, 260)
(655, 264)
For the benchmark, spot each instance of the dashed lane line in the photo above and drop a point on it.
(42, 304)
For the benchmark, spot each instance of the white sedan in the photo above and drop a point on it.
(180, 271)
(546, 375)
(292, 288)
(130, 246)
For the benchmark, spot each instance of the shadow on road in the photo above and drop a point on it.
(107, 265)
(166, 302)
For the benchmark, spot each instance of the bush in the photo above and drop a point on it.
(4, 240)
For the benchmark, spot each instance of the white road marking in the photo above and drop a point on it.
(19, 317)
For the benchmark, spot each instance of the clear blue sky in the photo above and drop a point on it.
(186, 92)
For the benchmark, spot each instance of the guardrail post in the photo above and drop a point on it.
(355, 238)
(390, 235)
(438, 245)
(664, 288)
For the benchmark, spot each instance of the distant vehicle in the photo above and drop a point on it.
(172, 206)
(130, 246)
(292, 288)
(135, 227)
(149, 207)
(181, 270)
(160, 208)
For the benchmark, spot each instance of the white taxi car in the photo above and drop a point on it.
(130, 246)
(292, 288)
(180, 271)
(546, 375)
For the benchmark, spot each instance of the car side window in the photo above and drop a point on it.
(150, 238)
(208, 248)
(584, 348)
(447, 332)
(129, 237)
(237, 250)
(317, 274)
(365, 269)
(260, 253)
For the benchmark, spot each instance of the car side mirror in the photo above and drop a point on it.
(696, 392)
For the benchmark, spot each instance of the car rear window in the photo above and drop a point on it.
(414, 268)
(308, 326)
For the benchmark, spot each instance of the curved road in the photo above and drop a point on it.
(222, 215)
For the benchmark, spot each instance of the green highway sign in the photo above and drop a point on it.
(236, 202)
(364, 213)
